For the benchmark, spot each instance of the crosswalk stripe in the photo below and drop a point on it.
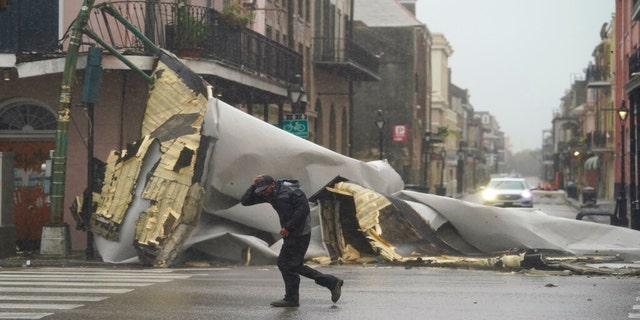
(635, 307)
(49, 306)
(82, 276)
(24, 315)
(73, 284)
(77, 279)
(64, 290)
(54, 298)
(57, 289)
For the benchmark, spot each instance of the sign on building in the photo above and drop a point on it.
(400, 133)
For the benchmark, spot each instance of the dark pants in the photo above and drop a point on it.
(290, 263)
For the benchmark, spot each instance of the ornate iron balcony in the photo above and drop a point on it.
(345, 56)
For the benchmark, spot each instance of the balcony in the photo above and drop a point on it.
(598, 77)
(346, 57)
(29, 28)
(599, 141)
(167, 25)
(634, 71)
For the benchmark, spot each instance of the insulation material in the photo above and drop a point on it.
(173, 197)
(121, 173)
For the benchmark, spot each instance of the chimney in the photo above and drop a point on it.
(410, 5)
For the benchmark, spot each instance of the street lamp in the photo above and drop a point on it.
(296, 94)
(496, 164)
(380, 125)
(621, 205)
(427, 155)
(441, 190)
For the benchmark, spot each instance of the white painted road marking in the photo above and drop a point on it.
(23, 292)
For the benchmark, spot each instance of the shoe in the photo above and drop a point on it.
(285, 303)
(337, 291)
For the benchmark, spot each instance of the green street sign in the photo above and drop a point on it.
(297, 124)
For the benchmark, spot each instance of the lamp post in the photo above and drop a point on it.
(621, 205)
(495, 152)
(380, 125)
(440, 190)
(296, 94)
(427, 155)
(460, 172)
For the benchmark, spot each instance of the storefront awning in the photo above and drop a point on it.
(592, 163)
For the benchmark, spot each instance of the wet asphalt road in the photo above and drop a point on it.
(372, 292)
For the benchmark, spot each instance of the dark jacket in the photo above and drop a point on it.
(290, 203)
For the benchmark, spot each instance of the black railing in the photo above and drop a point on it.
(597, 74)
(175, 28)
(597, 139)
(200, 31)
(29, 27)
(634, 62)
(344, 50)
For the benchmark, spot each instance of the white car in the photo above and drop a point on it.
(507, 192)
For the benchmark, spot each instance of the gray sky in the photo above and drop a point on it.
(518, 57)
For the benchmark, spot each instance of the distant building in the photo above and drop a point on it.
(403, 45)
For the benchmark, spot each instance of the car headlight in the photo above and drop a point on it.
(526, 194)
(489, 194)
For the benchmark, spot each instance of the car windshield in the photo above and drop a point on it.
(507, 185)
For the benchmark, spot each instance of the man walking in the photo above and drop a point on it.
(292, 207)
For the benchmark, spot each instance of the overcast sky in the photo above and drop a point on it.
(518, 57)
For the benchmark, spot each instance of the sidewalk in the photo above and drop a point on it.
(602, 204)
(602, 211)
(35, 259)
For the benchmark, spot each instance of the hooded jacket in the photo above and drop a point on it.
(289, 202)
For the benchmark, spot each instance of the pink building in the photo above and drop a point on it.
(627, 93)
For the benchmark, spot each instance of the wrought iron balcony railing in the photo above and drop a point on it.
(347, 56)
(185, 30)
(598, 139)
(598, 76)
(634, 63)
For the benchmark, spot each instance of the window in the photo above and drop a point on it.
(23, 117)
(27, 117)
(269, 32)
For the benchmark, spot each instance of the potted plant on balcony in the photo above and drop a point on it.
(192, 33)
(235, 17)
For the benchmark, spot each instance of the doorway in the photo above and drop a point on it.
(27, 128)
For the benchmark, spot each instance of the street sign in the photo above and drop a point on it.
(400, 133)
(296, 124)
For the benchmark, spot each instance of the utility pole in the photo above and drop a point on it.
(93, 76)
(56, 229)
